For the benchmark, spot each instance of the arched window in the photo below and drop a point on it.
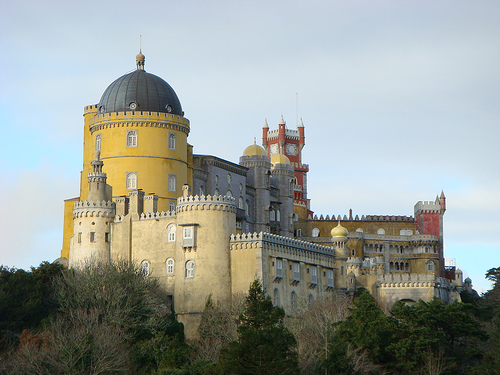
(132, 138)
(145, 268)
(201, 191)
(241, 203)
(98, 142)
(216, 192)
(189, 273)
(293, 300)
(170, 266)
(171, 206)
(229, 194)
(172, 183)
(131, 180)
(171, 141)
(278, 215)
(229, 179)
(247, 208)
(315, 232)
(276, 297)
(171, 232)
(381, 231)
(359, 230)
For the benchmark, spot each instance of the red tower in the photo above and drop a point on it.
(290, 143)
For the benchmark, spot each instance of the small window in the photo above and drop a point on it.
(92, 236)
(342, 270)
(187, 233)
(216, 192)
(276, 297)
(171, 141)
(171, 233)
(296, 271)
(171, 206)
(278, 215)
(313, 275)
(315, 232)
(201, 191)
(172, 183)
(229, 194)
(329, 278)
(430, 266)
(272, 215)
(381, 231)
(145, 268)
(241, 188)
(106, 237)
(293, 300)
(279, 268)
(170, 267)
(131, 180)
(216, 179)
(189, 274)
(132, 138)
(229, 179)
(359, 230)
(80, 237)
(241, 203)
(98, 142)
(247, 208)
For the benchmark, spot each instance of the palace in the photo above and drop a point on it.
(205, 226)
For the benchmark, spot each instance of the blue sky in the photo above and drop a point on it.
(400, 100)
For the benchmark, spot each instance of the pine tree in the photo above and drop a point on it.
(264, 345)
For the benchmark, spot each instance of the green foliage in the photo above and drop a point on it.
(25, 299)
(264, 345)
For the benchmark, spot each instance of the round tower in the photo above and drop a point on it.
(203, 253)
(92, 221)
(139, 128)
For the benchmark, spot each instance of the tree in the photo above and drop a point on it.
(264, 345)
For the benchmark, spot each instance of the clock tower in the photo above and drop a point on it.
(290, 143)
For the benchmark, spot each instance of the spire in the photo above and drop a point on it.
(265, 124)
(282, 122)
(442, 194)
(301, 124)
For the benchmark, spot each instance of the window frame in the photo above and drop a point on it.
(170, 264)
(132, 137)
(189, 267)
(172, 141)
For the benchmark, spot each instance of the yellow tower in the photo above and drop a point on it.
(139, 130)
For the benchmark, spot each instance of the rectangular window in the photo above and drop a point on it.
(296, 271)
(313, 275)
(329, 278)
(92, 236)
(172, 182)
(80, 237)
(188, 237)
(106, 237)
(279, 268)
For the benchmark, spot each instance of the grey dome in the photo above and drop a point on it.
(140, 91)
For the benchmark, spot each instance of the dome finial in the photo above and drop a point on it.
(140, 58)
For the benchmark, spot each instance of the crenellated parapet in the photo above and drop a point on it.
(427, 206)
(206, 202)
(139, 119)
(370, 218)
(157, 215)
(94, 208)
(411, 280)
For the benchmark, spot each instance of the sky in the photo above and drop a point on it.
(400, 101)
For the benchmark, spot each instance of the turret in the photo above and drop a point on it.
(92, 221)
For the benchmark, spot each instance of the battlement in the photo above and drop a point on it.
(90, 109)
(157, 215)
(94, 209)
(426, 206)
(206, 202)
(139, 115)
(410, 280)
(289, 134)
(97, 174)
(281, 241)
(371, 218)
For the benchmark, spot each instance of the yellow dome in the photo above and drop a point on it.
(280, 159)
(254, 150)
(339, 231)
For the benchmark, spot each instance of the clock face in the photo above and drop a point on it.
(291, 149)
(274, 149)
